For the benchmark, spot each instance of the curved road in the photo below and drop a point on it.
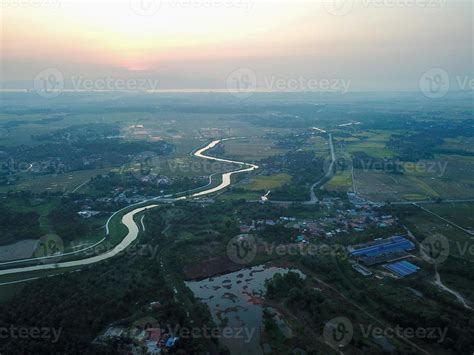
(128, 219)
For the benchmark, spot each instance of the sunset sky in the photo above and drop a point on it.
(188, 44)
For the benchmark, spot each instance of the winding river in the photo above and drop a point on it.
(128, 218)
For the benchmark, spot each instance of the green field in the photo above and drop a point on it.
(251, 149)
(371, 142)
(341, 181)
(423, 224)
(65, 182)
(257, 183)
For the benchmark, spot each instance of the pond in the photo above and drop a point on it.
(235, 301)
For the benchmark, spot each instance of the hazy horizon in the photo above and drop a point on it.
(334, 46)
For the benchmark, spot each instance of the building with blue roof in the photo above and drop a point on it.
(402, 268)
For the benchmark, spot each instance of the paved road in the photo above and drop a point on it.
(313, 198)
(423, 202)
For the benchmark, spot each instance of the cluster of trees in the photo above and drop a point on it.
(423, 312)
(67, 223)
(102, 185)
(304, 167)
(83, 304)
(82, 132)
(278, 286)
(58, 157)
(425, 141)
(15, 226)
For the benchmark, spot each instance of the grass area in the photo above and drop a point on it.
(7, 292)
(423, 224)
(66, 182)
(422, 186)
(269, 182)
(230, 195)
(341, 181)
(319, 145)
(383, 186)
(447, 176)
(42, 207)
(251, 149)
(371, 142)
(459, 143)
